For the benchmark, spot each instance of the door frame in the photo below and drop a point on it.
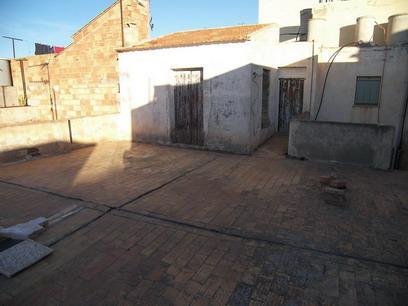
(278, 128)
(172, 105)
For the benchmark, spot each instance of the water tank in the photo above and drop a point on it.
(5, 73)
(305, 16)
(397, 32)
(365, 29)
(316, 29)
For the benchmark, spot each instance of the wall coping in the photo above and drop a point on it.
(44, 122)
(370, 125)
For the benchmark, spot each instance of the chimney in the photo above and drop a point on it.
(135, 21)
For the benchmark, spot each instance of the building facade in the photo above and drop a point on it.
(187, 89)
(325, 76)
(356, 68)
(83, 79)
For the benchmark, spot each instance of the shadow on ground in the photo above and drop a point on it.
(167, 226)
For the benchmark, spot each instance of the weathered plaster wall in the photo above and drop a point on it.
(360, 144)
(338, 104)
(296, 60)
(228, 94)
(288, 60)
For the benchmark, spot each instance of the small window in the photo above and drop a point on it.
(265, 98)
(367, 90)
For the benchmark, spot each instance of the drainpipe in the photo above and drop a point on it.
(382, 74)
(312, 80)
(400, 134)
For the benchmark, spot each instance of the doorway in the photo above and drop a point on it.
(290, 101)
(188, 107)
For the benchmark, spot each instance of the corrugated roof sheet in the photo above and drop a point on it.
(199, 37)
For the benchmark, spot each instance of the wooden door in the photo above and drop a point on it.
(188, 105)
(290, 101)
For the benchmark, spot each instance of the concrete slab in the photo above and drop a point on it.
(21, 256)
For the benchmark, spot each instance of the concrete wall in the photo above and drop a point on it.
(58, 136)
(21, 115)
(294, 59)
(231, 94)
(359, 144)
(403, 162)
(82, 80)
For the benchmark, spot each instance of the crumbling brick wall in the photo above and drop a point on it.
(83, 79)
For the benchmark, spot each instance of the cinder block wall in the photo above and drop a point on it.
(30, 79)
(83, 79)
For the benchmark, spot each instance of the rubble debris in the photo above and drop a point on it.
(334, 190)
(333, 182)
(33, 152)
(325, 180)
(338, 184)
(21, 256)
(25, 230)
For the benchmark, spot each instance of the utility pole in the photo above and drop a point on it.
(13, 39)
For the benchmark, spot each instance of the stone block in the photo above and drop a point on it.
(22, 256)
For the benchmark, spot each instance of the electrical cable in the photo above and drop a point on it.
(331, 61)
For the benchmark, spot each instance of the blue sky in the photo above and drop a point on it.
(54, 21)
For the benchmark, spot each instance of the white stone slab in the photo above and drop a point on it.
(24, 230)
(22, 256)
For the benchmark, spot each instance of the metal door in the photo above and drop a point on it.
(188, 105)
(290, 101)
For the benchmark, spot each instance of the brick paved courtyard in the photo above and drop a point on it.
(167, 226)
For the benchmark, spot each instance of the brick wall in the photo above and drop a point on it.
(83, 79)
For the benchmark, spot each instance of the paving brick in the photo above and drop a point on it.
(122, 258)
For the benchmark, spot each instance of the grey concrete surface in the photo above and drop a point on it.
(359, 144)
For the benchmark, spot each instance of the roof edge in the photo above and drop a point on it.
(221, 42)
(94, 19)
(139, 47)
(267, 27)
